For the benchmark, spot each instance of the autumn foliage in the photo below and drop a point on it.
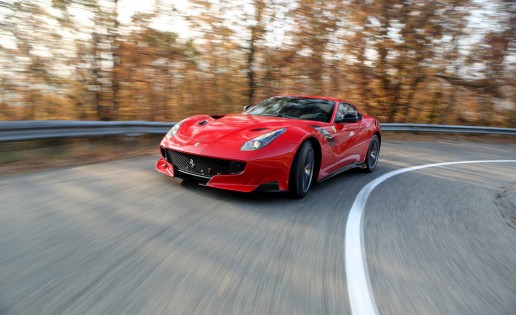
(421, 61)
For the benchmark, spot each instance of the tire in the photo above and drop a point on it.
(302, 171)
(373, 154)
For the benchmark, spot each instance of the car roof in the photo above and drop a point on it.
(334, 99)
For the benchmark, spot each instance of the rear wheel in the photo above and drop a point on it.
(302, 171)
(373, 153)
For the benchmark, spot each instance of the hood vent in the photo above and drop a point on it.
(259, 129)
(202, 123)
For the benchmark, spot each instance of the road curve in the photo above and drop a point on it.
(120, 238)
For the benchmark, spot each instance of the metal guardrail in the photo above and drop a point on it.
(47, 129)
(447, 128)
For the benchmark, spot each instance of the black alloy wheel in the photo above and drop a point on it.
(373, 154)
(302, 171)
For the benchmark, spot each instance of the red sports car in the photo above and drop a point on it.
(280, 144)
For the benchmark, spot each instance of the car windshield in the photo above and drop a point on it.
(294, 107)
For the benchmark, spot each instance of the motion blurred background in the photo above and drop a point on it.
(421, 61)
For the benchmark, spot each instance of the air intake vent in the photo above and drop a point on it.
(201, 166)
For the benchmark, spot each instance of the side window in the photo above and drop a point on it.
(341, 111)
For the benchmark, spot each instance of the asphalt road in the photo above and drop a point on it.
(120, 238)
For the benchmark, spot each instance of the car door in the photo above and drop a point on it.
(348, 128)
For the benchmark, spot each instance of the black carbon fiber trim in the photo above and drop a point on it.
(202, 166)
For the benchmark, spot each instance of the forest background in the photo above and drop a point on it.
(419, 61)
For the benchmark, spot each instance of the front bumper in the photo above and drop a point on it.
(267, 173)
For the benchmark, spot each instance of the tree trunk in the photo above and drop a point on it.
(115, 53)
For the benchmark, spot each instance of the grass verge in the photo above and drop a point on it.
(30, 156)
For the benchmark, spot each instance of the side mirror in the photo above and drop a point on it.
(349, 118)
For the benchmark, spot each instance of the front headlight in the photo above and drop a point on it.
(261, 141)
(174, 129)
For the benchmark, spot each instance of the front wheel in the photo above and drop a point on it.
(373, 153)
(302, 171)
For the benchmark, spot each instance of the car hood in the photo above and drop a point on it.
(237, 128)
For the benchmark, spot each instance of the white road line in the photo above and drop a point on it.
(360, 296)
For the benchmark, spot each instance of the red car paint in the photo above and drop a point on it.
(344, 145)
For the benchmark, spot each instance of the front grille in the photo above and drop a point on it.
(201, 166)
